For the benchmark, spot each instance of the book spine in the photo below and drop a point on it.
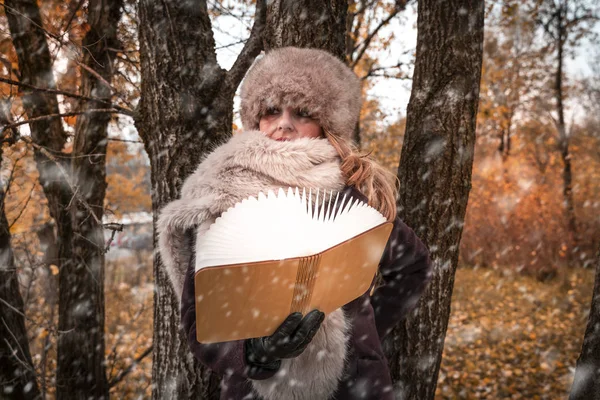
(305, 282)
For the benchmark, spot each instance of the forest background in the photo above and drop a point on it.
(531, 230)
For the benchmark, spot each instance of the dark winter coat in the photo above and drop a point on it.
(405, 268)
(349, 337)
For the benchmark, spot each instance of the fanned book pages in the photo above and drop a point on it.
(269, 256)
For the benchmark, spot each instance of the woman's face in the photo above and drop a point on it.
(289, 124)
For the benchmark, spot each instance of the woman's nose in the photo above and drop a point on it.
(285, 122)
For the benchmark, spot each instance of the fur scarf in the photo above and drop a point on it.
(249, 163)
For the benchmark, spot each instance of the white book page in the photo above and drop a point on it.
(286, 224)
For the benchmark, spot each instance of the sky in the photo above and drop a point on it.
(393, 94)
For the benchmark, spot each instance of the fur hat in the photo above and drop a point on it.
(303, 78)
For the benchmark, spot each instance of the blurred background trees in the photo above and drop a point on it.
(533, 211)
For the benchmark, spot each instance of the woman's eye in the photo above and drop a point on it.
(303, 113)
(272, 111)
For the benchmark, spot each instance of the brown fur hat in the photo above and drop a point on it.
(309, 79)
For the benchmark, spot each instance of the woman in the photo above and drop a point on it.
(299, 108)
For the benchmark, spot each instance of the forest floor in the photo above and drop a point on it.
(512, 337)
(509, 336)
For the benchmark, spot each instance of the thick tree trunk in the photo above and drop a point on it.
(35, 69)
(435, 177)
(308, 23)
(81, 369)
(17, 376)
(586, 385)
(186, 109)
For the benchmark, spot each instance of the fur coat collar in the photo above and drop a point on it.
(249, 163)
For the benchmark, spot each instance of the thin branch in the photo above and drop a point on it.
(16, 356)
(364, 7)
(41, 28)
(231, 44)
(24, 207)
(122, 110)
(125, 59)
(359, 23)
(65, 174)
(52, 116)
(112, 357)
(372, 70)
(67, 29)
(127, 370)
(121, 50)
(251, 49)
(124, 140)
(96, 75)
(399, 6)
(27, 365)
(218, 7)
(35, 323)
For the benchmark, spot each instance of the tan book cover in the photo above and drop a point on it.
(246, 300)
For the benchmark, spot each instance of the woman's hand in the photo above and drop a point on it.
(288, 341)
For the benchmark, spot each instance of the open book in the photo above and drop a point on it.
(269, 256)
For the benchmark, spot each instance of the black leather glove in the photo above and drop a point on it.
(288, 341)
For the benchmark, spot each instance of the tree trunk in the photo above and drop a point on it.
(435, 177)
(308, 23)
(586, 385)
(186, 109)
(563, 139)
(35, 69)
(81, 369)
(17, 375)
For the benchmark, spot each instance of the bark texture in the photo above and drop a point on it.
(186, 109)
(17, 376)
(586, 385)
(308, 23)
(435, 177)
(81, 369)
(36, 69)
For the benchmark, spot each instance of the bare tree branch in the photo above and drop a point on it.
(127, 370)
(33, 322)
(124, 140)
(231, 44)
(372, 71)
(251, 49)
(65, 174)
(364, 45)
(217, 7)
(364, 7)
(66, 29)
(122, 110)
(51, 116)
(41, 28)
(23, 208)
(96, 75)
